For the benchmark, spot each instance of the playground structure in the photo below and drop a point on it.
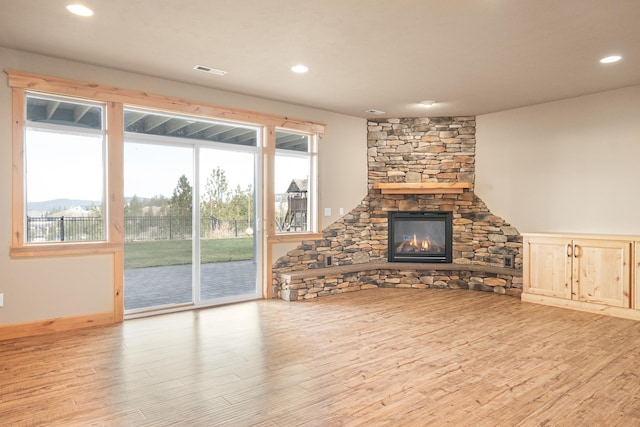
(296, 216)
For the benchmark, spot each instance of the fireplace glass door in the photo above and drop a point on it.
(420, 237)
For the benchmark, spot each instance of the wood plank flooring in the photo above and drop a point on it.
(378, 357)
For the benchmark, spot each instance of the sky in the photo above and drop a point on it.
(65, 166)
(151, 170)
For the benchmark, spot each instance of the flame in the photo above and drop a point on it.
(425, 244)
(414, 242)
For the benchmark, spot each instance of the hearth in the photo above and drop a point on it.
(420, 237)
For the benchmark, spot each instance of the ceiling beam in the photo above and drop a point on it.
(175, 125)
(226, 134)
(131, 118)
(152, 122)
(194, 128)
(247, 137)
(51, 108)
(79, 112)
(215, 131)
(292, 141)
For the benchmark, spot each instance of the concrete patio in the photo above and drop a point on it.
(171, 284)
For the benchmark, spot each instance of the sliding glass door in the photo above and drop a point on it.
(227, 234)
(190, 213)
(158, 226)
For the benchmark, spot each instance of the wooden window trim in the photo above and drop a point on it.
(19, 248)
(314, 219)
(57, 249)
(115, 100)
(102, 93)
(17, 168)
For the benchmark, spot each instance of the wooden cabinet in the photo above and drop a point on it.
(586, 269)
(602, 271)
(547, 266)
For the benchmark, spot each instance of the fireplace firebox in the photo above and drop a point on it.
(420, 237)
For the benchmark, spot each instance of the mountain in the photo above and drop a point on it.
(57, 205)
(60, 205)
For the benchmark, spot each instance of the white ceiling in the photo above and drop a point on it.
(472, 56)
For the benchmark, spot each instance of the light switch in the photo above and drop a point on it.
(1, 300)
(341, 211)
(327, 211)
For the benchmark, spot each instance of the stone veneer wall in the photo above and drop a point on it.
(412, 150)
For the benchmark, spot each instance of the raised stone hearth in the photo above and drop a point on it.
(317, 282)
(410, 152)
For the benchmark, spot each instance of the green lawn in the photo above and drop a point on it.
(173, 252)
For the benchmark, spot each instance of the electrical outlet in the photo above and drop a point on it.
(508, 261)
(328, 260)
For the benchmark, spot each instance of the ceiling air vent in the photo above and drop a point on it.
(372, 111)
(210, 70)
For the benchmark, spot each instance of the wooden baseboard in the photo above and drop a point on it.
(55, 325)
(622, 312)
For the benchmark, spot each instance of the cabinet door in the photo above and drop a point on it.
(547, 266)
(602, 271)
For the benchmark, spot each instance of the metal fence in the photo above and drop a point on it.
(136, 228)
(61, 229)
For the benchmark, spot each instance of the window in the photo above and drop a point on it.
(64, 143)
(295, 183)
(68, 147)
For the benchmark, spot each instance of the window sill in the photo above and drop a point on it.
(61, 249)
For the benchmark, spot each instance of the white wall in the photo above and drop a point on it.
(38, 289)
(566, 166)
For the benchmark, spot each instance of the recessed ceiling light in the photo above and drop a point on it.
(210, 70)
(428, 103)
(80, 10)
(610, 59)
(300, 69)
(374, 111)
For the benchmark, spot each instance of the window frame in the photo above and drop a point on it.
(311, 154)
(19, 247)
(76, 131)
(115, 100)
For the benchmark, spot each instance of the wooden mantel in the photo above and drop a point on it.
(422, 187)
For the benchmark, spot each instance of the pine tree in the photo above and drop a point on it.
(216, 193)
(182, 199)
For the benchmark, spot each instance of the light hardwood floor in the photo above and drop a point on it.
(378, 357)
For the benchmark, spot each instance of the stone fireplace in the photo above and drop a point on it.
(420, 236)
(414, 165)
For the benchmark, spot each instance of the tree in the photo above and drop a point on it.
(160, 202)
(182, 199)
(95, 211)
(240, 205)
(216, 193)
(134, 207)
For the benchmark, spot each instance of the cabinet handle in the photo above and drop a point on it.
(575, 251)
(569, 251)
